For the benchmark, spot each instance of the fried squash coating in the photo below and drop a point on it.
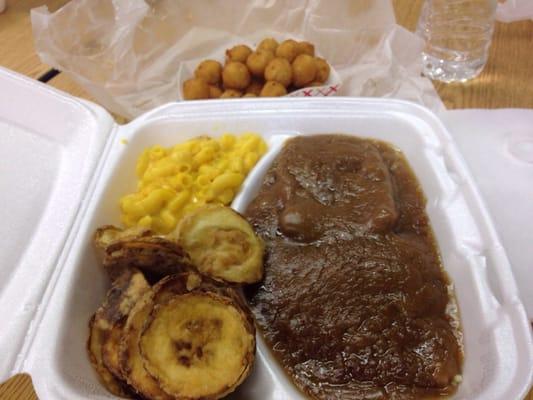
(110, 349)
(109, 234)
(133, 363)
(156, 256)
(222, 244)
(94, 347)
(198, 345)
(105, 328)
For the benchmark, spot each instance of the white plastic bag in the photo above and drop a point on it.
(515, 10)
(127, 53)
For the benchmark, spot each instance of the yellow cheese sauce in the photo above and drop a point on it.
(175, 180)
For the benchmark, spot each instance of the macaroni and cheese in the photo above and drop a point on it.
(176, 180)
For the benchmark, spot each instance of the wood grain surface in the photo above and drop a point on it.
(507, 81)
(16, 41)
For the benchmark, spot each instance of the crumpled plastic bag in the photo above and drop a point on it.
(127, 53)
(514, 10)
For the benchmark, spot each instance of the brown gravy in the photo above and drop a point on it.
(354, 299)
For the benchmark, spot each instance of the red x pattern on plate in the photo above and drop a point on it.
(326, 91)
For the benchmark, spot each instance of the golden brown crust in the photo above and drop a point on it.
(131, 363)
(189, 354)
(131, 306)
(105, 328)
(110, 349)
(94, 348)
(195, 89)
(125, 291)
(156, 256)
(109, 234)
(222, 244)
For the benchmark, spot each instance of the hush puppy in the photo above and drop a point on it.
(270, 44)
(210, 71)
(238, 53)
(195, 89)
(214, 92)
(257, 62)
(304, 70)
(323, 69)
(255, 87)
(279, 70)
(306, 48)
(287, 49)
(235, 75)
(273, 89)
(230, 94)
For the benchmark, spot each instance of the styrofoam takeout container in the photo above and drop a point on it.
(65, 164)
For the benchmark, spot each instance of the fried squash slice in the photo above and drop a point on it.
(222, 244)
(216, 344)
(105, 328)
(197, 346)
(108, 234)
(131, 362)
(156, 256)
(95, 343)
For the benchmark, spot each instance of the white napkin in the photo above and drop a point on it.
(498, 147)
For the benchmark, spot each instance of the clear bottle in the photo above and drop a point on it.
(457, 34)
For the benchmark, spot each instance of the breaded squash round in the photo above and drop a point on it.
(250, 95)
(279, 70)
(258, 60)
(222, 244)
(197, 346)
(238, 53)
(273, 89)
(198, 338)
(231, 94)
(195, 89)
(323, 70)
(270, 44)
(95, 343)
(304, 70)
(210, 71)
(106, 327)
(235, 75)
(131, 362)
(287, 49)
(156, 256)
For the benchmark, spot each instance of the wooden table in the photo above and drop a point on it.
(507, 81)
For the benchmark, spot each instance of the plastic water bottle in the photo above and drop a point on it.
(457, 34)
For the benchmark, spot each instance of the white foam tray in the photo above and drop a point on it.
(65, 164)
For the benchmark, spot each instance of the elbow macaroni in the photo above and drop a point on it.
(178, 179)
